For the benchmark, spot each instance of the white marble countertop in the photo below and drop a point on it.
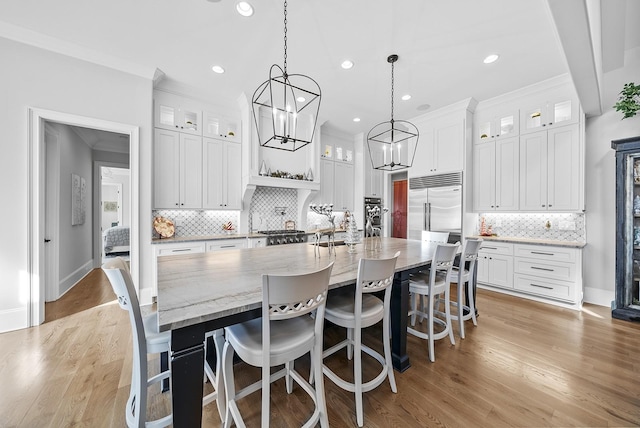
(219, 237)
(535, 241)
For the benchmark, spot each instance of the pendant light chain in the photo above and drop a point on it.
(392, 64)
(285, 37)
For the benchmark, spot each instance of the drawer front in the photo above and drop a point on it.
(226, 244)
(496, 248)
(561, 271)
(543, 252)
(543, 287)
(174, 250)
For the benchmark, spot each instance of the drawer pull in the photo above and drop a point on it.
(489, 248)
(180, 250)
(539, 268)
(227, 246)
(543, 254)
(540, 286)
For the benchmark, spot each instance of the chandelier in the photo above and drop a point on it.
(392, 145)
(285, 107)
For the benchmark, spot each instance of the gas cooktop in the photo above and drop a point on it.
(280, 232)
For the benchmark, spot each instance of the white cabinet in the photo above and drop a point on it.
(177, 170)
(490, 126)
(226, 244)
(549, 272)
(257, 242)
(495, 264)
(170, 114)
(222, 174)
(327, 180)
(373, 178)
(551, 177)
(549, 112)
(495, 175)
(336, 185)
(217, 126)
(440, 147)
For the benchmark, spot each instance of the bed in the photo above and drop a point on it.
(115, 240)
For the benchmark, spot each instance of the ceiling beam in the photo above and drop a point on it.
(571, 20)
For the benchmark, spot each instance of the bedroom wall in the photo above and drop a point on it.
(34, 77)
(75, 241)
(122, 179)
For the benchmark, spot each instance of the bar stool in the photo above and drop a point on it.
(360, 311)
(430, 285)
(463, 276)
(284, 332)
(430, 237)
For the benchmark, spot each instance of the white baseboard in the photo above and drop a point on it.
(13, 319)
(598, 296)
(75, 277)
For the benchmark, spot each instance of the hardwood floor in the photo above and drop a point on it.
(526, 365)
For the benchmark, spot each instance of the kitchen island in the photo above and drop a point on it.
(207, 291)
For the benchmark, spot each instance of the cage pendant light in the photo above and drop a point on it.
(392, 145)
(285, 107)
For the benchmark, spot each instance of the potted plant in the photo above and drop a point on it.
(629, 100)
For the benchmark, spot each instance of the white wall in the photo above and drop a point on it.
(599, 254)
(32, 77)
(119, 177)
(75, 242)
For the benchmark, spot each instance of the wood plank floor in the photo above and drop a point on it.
(526, 365)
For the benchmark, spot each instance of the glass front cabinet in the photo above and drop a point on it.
(627, 302)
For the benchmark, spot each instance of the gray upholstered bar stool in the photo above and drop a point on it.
(431, 284)
(463, 276)
(355, 312)
(286, 331)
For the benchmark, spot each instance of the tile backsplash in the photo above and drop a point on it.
(198, 223)
(563, 226)
(262, 212)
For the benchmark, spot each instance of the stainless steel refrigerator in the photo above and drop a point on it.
(437, 209)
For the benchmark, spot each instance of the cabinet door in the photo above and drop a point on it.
(501, 271)
(233, 176)
(533, 171)
(213, 161)
(217, 126)
(484, 178)
(483, 267)
(343, 186)
(169, 115)
(507, 125)
(327, 170)
(166, 169)
(448, 148)
(564, 168)
(190, 171)
(374, 178)
(562, 111)
(507, 174)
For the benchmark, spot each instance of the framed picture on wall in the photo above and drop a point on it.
(78, 199)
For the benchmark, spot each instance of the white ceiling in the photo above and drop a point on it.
(103, 140)
(441, 44)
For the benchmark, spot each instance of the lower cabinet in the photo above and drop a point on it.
(226, 244)
(495, 264)
(257, 242)
(540, 272)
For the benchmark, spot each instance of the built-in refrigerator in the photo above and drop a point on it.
(435, 204)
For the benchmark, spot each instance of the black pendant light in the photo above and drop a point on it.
(392, 145)
(285, 107)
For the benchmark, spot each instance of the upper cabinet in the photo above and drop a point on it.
(169, 114)
(177, 161)
(549, 112)
(440, 147)
(337, 175)
(490, 126)
(221, 174)
(495, 175)
(216, 126)
(373, 178)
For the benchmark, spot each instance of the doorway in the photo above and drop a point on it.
(37, 200)
(113, 208)
(399, 211)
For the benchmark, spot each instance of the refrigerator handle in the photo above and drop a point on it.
(428, 216)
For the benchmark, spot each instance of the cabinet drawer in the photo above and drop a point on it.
(497, 248)
(173, 249)
(554, 254)
(226, 244)
(543, 287)
(561, 271)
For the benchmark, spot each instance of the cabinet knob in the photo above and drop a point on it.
(550, 205)
(177, 126)
(182, 203)
(544, 124)
(177, 204)
(497, 206)
(492, 206)
(543, 206)
(550, 123)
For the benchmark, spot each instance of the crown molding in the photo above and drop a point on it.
(53, 44)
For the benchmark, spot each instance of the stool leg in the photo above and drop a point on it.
(447, 313)
(357, 375)
(460, 288)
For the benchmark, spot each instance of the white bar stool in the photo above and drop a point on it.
(463, 276)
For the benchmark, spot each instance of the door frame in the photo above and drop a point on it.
(36, 198)
(52, 214)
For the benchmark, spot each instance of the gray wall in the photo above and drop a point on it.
(33, 77)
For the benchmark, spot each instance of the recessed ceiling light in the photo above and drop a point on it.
(356, 119)
(244, 8)
(406, 97)
(423, 107)
(347, 64)
(301, 99)
(491, 58)
(217, 69)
